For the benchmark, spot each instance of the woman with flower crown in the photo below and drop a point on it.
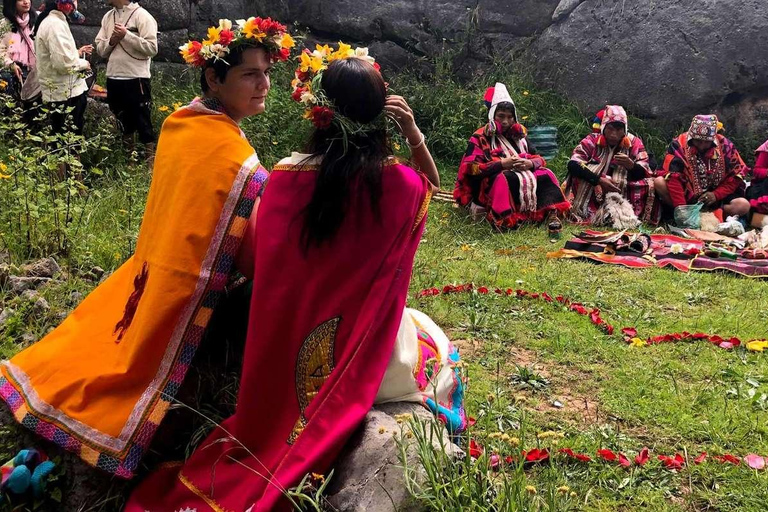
(332, 254)
(500, 178)
(100, 384)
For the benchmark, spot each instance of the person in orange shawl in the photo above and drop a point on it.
(100, 384)
(702, 166)
(334, 245)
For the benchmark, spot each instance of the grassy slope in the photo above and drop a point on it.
(669, 398)
(675, 397)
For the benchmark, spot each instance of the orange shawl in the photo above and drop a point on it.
(100, 384)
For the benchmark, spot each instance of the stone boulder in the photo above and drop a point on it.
(369, 476)
(667, 60)
(46, 267)
(19, 285)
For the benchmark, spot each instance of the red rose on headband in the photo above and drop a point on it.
(322, 117)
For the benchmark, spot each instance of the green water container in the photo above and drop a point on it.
(544, 139)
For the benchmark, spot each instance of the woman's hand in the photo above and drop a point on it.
(515, 163)
(523, 164)
(17, 71)
(398, 110)
(85, 50)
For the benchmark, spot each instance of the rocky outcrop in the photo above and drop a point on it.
(369, 476)
(667, 60)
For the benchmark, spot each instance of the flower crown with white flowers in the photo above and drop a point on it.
(258, 32)
(307, 86)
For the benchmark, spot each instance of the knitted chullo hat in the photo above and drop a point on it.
(703, 127)
(614, 114)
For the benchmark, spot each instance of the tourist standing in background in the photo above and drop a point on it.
(60, 66)
(17, 49)
(128, 39)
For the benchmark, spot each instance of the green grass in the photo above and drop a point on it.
(672, 398)
(521, 355)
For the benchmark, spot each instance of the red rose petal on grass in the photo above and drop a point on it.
(546, 297)
(642, 457)
(608, 329)
(499, 291)
(475, 450)
(471, 421)
(594, 316)
(508, 459)
(536, 455)
(624, 461)
(735, 341)
(755, 461)
(583, 457)
(482, 290)
(674, 463)
(701, 458)
(629, 331)
(560, 299)
(727, 458)
(579, 308)
(606, 454)
(699, 336)
(510, 291)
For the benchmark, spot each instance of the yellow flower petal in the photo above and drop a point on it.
(757, 345)
(637, 342)
(213, 36)
(287, 41)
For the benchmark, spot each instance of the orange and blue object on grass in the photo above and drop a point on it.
(27, 473)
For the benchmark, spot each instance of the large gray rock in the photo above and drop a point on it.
(669, 60)
(169, 14)
(369, 475)
(46, 267)
(206, 13)
(169, 42)
(565, 8)
(19, 285)
(5, 315)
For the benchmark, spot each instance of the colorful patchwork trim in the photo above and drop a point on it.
(213, 278)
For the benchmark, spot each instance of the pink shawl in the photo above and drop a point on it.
(321, 332)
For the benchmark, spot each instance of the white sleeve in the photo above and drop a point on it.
(64, 56)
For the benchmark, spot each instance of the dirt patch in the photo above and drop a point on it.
(565, 397)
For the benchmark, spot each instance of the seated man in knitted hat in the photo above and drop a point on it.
(702, 166)
(610, 159)
(501, 177)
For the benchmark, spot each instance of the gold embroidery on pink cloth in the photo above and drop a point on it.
(314, 365)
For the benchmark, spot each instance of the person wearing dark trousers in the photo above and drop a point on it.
(128, 39)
